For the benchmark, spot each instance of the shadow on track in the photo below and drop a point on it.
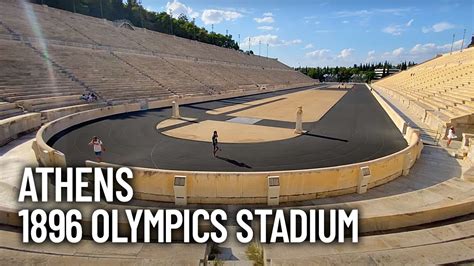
(190, 121)
(194, 106)
(324, 137)
(234, 162)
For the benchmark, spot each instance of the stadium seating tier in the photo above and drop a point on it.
(50, 57)
(442, 87)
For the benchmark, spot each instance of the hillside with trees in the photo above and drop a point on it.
(356, 73)
(133, 11)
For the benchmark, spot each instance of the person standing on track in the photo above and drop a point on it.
(214, 143)
(98, 148)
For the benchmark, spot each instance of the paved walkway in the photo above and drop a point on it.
(13, 158)
(14, 252)
(435, 165)
(443, 244)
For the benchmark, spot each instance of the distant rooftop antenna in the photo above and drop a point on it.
(463, 36)
(141, 15)
(194, 28)
(452, 43)
(212, 31)
(171, 21)
(101, 11)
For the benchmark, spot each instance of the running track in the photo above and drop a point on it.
(355, 129)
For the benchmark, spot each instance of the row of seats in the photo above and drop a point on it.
(444, 85)
(118, 76)
(9, 109)
(107, 74)
(50, 58)
(432, 246)
(73, 55)
(451, 243)
(55, 24)
(28, 82)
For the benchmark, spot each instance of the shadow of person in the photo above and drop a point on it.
(234, 162)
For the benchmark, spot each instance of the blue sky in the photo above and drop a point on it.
(330, 33)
